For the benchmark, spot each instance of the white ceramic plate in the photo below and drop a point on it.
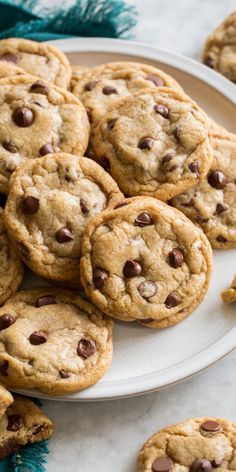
(144, 359)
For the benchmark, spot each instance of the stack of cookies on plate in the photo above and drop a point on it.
(124, 233)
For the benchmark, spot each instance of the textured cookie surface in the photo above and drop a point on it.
(7, 69)
(23, 423)
(51, 201)
(229, 295)
(196, 445)
(39, 59)
(156, 143)
(77, 73)
(159, 263)
(212, 204)
(11, 267)
(54, 341)
(219, 52)
(6, 399)
(102, 86)
(37, 118)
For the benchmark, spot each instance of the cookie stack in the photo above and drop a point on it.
(107, 225)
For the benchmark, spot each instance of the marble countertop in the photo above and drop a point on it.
(106, 436)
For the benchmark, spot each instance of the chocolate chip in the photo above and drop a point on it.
(194, 167)
(86, 348)
(99, 277)
(146, 143)
(6, 321)
(4, 368)
(39, 87)
(176, 132)
(147, 289)
(146, 320)
(9, 147)
(156, 80)
(220, 208)
(111, 123)
(172, 300)
(64, 374)
(23, 250)
(3, 200)
(46, 149)
(188, 204)
(9, 57)
(38, 337)
(23, 117)
(45, 300)
(90, 85)
(217, 179)
(221, 239)
(201, 465)
(15, 423)
(176, 258)
(144, 219)
(132, 269)
(106, 164)
(208, 61)
(162, 464)
(216, 463)
(109, 90)
(30, 205)
(211, 426)
(168, 157)
(119, 205)
(162, 110)
(84, 207)
(63, 235)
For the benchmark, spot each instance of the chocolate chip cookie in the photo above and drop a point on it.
(50, 202)
(6, 399)
(159, 263)
(39, 59)
(77, 72)
(53, 341)
(229, 295)
(155, 143)
(212, 204)
(8, 69)
(219, 52)
(37, 118)
(23, 423)
(196, 445)
(11, 267)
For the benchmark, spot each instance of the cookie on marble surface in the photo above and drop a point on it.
(102, 86)
(39, 59)
(37, 118)
(6, 399)
(229, 294)
(50, 202)
(7, 69)
(212, 204)
(155, 142)
(159, 263)
(11, 267)
(23, 423)
(219, 52)
(55, 341)
(195, 445)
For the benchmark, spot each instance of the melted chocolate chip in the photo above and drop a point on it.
(15, 423)
(45, 300)
(23, 117)
(23, 250)
(156, 80)
(210, 426)
(4, 368)
(162, 464)
(64, 374)
(84, 207)
(217, 179)
(162, 110)
(86, 347)
(39, 87)
(176, 258)
(194, 167)
(221, 239)
(208, 61)
(111, 123)
(144, 219)
(146, 143)
(8, 448)
(109, 90)
(188, 204)
(119, 205)
(201, 465)
(9, 57)
(90, 85)
(106, 164)
(147, 289)
(46, 149)
(3, 200)
(9, 147)
(132, 269)
(38, 337)
(220, 208)
(99, 277)
(168, 157)
(146, 320)
(176, 132)
(64, 235)
(172, 300)
(216, 463)
(30, 205)
(6, 321)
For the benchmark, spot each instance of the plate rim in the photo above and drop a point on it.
(225, 344)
